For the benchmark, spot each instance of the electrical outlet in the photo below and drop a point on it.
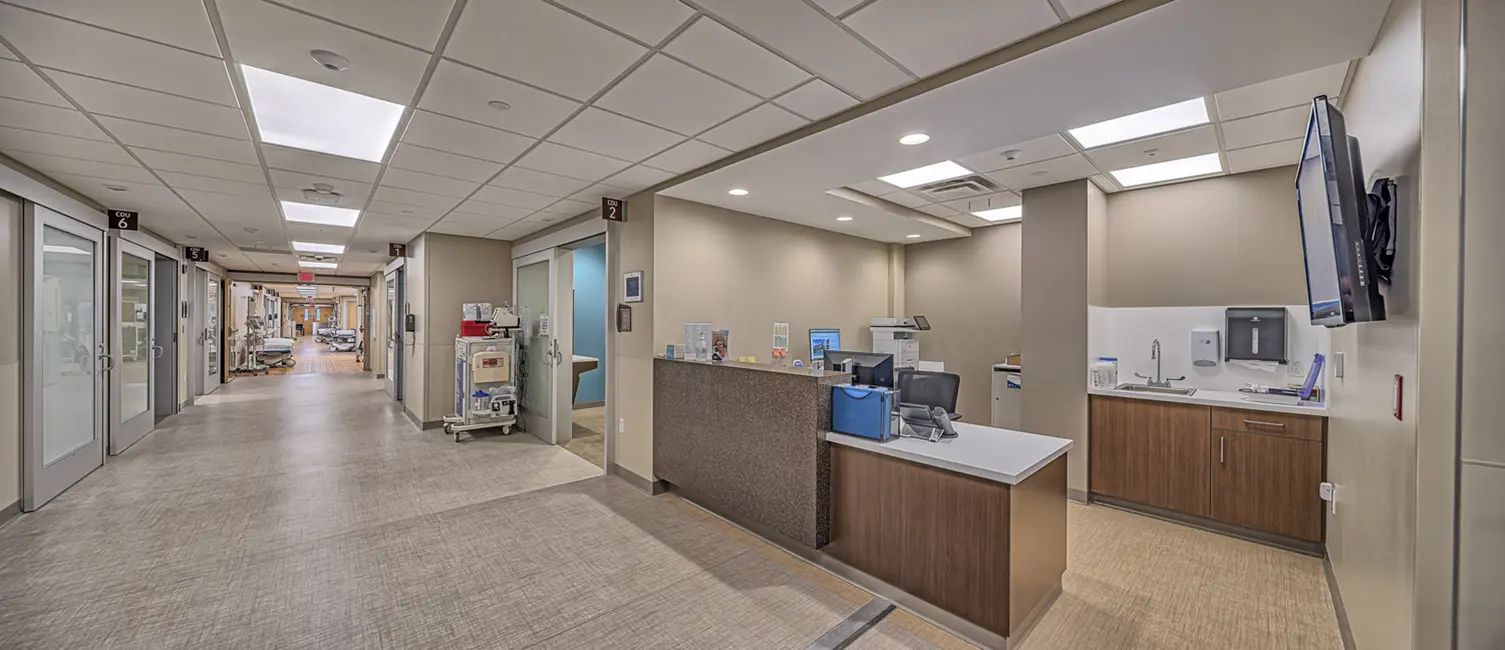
(621, 425)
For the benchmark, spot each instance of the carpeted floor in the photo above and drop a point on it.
(588, 435)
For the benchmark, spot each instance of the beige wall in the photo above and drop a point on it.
(458, 270)
(969, 289)
(630, 382)
(10, 349)
(376, 338)
(1240, 233)
(744, 272)
(415, 344)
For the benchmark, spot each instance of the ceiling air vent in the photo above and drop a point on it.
(952, 189)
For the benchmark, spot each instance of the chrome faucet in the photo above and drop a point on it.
(1158, 381)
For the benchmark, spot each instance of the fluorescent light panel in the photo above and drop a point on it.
(1000, 215)
(1191, 112)
(320, 214)
(318, 265)
(302, 114)
(310, 247)
(1169, 170)
(927, 174)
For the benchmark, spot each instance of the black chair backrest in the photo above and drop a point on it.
(929, 388)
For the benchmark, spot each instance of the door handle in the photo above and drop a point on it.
(1262, 423)
(1221, 448)
(157, 352)
(107, 362)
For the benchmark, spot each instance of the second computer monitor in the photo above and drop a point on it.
(873, 368)
(822, 340)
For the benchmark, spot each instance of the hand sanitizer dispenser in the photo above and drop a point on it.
(1206, 344)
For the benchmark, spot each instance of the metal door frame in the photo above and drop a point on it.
(42, 482)
(557, 350)
(396, 332)
(168, 279)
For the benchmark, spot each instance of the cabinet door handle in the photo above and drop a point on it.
(1262, 423)
(1221, 448)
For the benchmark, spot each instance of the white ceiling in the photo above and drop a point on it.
(1257, 89)
(607, 96)
(323, 291)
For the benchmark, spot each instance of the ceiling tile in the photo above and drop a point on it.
(316, 163)
(460, 91)
(702, 100)
(753, 127)
(214, 203)
(413, 198)
(182, 181)
(161, 138)
(415, 22)
(969, 221)
(1174, 146)
(407, 213)
(1059, 170)
(686, 156)
(574, 163)
(183, 23)
(5, 53)
(150, 197)
(520, 178)
(1075, 8)
(59, 164)
(595, 193)
(60, 145)
(449, 134)
(937, 210)
(176, 162)
(478, 219)
(928, 36)
(815, 100)
(636, 178)
(463, 228)
(1051, 146)
(518, 230)
(65, 45)
(541, 44)
(443, 163)
(712, 47)
(1275, 154)
(291, 186)
(493, 210)
(1266, 127)
(613, 135)
(1295, 90)
(49, 119)
(18, 82)
(646, 20)
(411, 180)
(266, 36)
(837, 7)
(106, 98)
(873, 187)
(571, 208)
(906, 199)
(514, 198)
(800, 32)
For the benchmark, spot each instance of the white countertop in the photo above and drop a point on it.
(1007, 367)
(985, 452)
(1224, 398)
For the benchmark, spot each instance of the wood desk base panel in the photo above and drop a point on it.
(985, 551)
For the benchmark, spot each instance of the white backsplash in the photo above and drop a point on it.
(1127, 332)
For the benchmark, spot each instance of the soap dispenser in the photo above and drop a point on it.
(1206, 343)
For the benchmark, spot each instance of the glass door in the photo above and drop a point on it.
(67, 361)
(135, 349)
(209, 339)
(532, 291)
(393, 383)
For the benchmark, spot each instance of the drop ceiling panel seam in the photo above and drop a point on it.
(108, 29)
(748, 35)
(866, 43)
(136, 87)
(852, 10)
(348, 26)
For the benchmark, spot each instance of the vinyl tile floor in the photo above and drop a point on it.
(305, 511)
(588, 434)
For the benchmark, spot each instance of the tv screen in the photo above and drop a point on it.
(1333, 206)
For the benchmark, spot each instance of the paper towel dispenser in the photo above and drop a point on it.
(1256, 334)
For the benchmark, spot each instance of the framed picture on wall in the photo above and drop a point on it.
(632, 286)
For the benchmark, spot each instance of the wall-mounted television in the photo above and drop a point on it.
(1338, 218)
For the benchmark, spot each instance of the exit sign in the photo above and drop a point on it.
(305, 277)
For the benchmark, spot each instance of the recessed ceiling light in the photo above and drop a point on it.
(116, 188)
(499, 105)
(251, 231)
(1191, 112)
(330, 60)
(317, 265)
(1000, 215)
(310, 247)
(328, 215)
(737, 192)
(912, 236)
(927, 174)
(191, 237)
(1169, 170)
(302, 114)
(843, 218)
(914, 139)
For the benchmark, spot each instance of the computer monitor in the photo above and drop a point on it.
(871, 368)
(822, 340)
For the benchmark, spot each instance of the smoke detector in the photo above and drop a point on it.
(330, 60)
(322, 194)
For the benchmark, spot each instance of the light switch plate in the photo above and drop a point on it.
(621, 425)
(1329, 493)
(1338, 358)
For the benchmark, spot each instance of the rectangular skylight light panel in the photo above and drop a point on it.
(302, 114)
(1191, 112)
(310, 247)
(1000, 215)
(1169, 170)
(317, 265)
(927, 174)
(320, 214)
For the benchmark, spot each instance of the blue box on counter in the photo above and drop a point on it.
(865, 411)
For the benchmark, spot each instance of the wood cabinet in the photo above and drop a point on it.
(1248, 468)
(1153, 453)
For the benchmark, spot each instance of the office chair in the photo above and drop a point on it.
(929, 389)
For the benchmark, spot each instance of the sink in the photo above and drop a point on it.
(1141, 388)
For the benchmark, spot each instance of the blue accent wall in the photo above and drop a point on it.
(590, 319)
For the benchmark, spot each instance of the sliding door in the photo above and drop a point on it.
(541, 293)
(134, 348)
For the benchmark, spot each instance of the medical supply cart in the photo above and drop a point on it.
(486, 394)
